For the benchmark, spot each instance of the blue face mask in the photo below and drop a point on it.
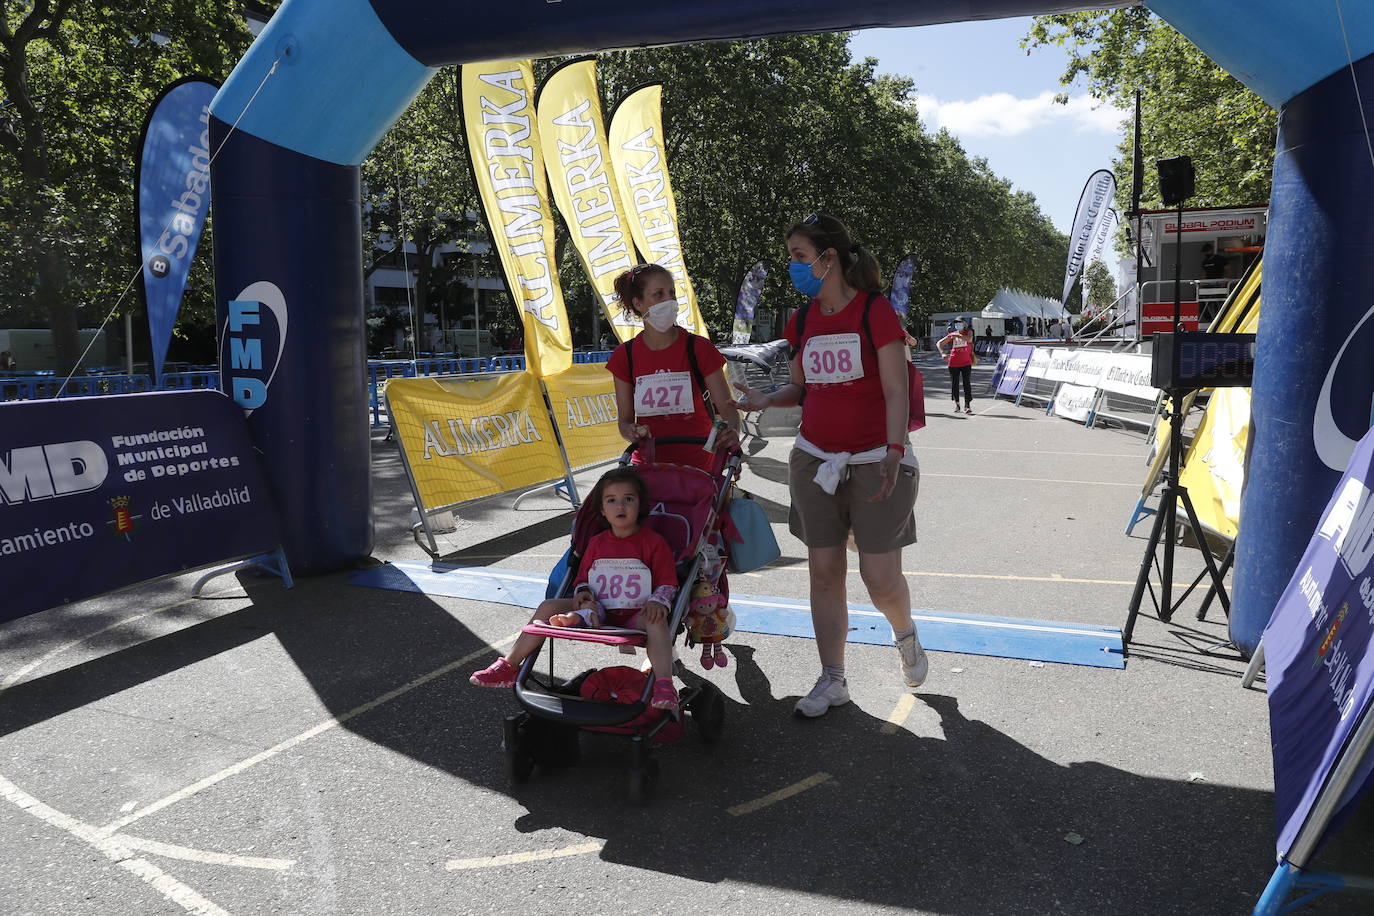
(807, 283)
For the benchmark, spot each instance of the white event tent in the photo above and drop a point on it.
(1015, 303)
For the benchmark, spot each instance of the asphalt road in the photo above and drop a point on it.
(319, 750)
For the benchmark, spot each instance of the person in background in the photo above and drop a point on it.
(959, 359)
(7, 363)
(851, 467)
(1214, 266)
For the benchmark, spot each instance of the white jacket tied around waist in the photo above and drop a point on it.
(835, 465)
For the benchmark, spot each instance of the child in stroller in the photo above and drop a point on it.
(626, 579)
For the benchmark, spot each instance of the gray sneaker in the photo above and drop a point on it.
(915, 665)
(825, 694)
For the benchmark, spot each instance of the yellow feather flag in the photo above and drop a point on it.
(507, 162)
(640, 164)
(576, 154)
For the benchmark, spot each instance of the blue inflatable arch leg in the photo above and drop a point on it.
(1315, 367)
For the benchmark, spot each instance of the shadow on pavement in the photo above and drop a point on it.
(972, 823)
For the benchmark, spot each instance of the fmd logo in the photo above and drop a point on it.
(251, 343)
(1342, 412)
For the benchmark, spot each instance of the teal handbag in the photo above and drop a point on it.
(755, 546)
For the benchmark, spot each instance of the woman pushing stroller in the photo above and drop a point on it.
(626, 579)
(671, 383)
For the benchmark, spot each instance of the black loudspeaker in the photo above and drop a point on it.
(1175, 179)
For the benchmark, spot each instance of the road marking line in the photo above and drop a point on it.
(1094, 483)
(899, 714)
(773, 798)
(519, 858)
(935, 618)
(1023, 451)
(118, 852)
(333, 722)
(948, 575)
(14, 678)
(172, 851)
(479, 573)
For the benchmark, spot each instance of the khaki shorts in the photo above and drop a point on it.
(822, 520)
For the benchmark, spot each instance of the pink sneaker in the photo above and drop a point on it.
(721, 659)
(499, 673)
(664, 695)
(707, 660)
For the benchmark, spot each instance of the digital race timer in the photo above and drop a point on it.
(1201, 360)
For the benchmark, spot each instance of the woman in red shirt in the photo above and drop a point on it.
(851, 469)
(658, 382)
(960, 362)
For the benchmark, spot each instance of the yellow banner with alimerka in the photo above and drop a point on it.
(468, 438)
(583, 403)
(508, 166)
(640, 163)
(577, 155)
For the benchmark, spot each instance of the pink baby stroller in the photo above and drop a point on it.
(685, 504)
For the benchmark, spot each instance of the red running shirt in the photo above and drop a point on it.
(666, 397)
(624, 572)
(960, 349)
(844, 408)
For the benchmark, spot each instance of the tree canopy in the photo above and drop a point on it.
(1189, 106)
(760, 134)
(76, 81)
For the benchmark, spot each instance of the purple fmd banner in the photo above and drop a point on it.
(901, 285)
(746, 303)
(173, 200)
(1015, 359)
(100, 493)
(1317, 651)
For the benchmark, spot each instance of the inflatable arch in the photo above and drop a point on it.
(288, 273)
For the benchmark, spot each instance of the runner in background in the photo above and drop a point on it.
(658, 383)
(960, 362)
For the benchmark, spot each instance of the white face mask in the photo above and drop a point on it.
(662, 316)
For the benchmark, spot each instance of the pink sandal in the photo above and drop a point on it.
(664, 695)
(499, 673)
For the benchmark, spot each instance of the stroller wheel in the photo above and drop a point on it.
(708, 712)
(519, 762)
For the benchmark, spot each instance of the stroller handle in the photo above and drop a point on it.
(725, 459)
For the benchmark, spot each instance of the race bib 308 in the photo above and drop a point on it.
(832, 358)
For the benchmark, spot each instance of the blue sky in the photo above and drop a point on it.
(974, 79)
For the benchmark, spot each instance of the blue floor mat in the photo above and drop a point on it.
(972, 634)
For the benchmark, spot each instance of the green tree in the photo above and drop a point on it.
(761, 133)
(1189, 105)
(1099, 289)
(418, 194)
(76, 81)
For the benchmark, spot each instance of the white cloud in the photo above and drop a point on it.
(1004, 115)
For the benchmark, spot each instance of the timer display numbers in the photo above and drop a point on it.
(1202, 360)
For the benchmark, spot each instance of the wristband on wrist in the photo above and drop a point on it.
(898, 446)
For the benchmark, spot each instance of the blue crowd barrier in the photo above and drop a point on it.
(43, 387)
(32, 386)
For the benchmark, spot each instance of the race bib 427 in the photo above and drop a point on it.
(663, 393)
